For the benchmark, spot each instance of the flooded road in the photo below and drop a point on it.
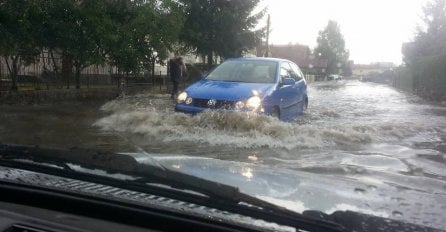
(393, 143)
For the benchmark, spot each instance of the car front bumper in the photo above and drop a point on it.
(193, 110)
(188, 109)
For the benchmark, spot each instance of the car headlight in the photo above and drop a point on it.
(182, 97)
(254, 103)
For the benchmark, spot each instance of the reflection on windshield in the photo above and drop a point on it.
(245, 71)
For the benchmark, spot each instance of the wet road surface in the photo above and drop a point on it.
(391, 142)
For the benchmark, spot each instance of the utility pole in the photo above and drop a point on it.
(267, 52)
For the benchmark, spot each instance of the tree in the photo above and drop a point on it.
(131, 35)
(120, 43)
(76, 29)
(331, 46)
(20, 38)
(90, 27)
(142, 29)
(425, 56)
(221, 27)
(56, 20)
(430, 38)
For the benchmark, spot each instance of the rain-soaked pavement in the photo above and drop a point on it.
(355, 131)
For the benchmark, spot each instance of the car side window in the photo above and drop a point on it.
(293, 73)
(285, 71)
(296, 70)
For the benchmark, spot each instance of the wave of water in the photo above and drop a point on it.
(151, 118)
(387, 146)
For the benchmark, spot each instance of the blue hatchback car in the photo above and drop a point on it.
(269, 86)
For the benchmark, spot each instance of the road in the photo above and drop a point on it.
(391, 142)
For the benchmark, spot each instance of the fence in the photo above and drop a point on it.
(35, 77)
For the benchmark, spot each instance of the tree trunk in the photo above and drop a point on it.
(210, 59)
(13, 71)
(153, 72)
(78, 76)
(55, 68)
(67, 66)
(203, 58)
(8, 66)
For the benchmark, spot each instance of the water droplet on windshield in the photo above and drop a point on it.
(404, 204)
(397, 213)
(359, 170)
(399, 199)
(360, 190)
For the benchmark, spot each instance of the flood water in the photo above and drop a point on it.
(352, 130)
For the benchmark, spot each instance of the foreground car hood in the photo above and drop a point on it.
(231, 91)
(299, 191)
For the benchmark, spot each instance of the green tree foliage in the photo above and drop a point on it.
(89, 32)
(130, 35)
(430, 38)
(221, 27)
(425, 56)
(331, 46)
(57, 29)
(20, 40)
(142, 29)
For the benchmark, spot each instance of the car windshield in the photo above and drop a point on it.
(352, 115)
(245, 71)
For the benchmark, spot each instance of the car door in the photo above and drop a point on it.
(301, 85)
(287, 93)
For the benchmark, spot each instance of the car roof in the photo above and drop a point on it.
(258, 59)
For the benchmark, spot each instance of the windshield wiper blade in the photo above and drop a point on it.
(221, 196)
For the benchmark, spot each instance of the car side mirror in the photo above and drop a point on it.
(288, 81)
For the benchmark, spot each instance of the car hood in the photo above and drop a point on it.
(300, 190)
(222, 90)
(293, 189)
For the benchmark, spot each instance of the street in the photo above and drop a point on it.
(391, 143)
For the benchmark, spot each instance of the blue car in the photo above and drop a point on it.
(269, 86)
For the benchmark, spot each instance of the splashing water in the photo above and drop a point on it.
(326, 124)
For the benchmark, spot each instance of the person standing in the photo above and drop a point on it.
(177, 70)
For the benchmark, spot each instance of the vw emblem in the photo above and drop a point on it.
(211, 103)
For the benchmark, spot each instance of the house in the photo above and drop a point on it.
(377, 67)
(299, 54)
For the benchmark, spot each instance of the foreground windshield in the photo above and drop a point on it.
(245, 71)
(356, 121)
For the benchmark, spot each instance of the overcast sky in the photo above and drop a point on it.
(373, 29)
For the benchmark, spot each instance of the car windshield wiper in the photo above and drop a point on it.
(211, 194)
